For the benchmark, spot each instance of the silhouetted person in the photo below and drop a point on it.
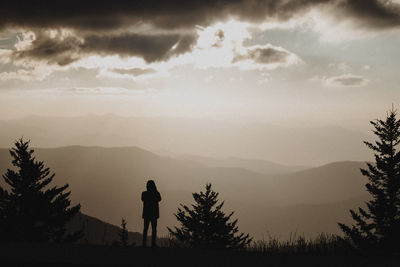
(150, 199)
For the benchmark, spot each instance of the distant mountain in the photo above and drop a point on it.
(108, 183)
(256, 165)
(96, 231)
(287, 145)
(308, 220)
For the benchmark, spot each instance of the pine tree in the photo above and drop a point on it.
(32, 211)
(123, 234)
(378, 226)
(206, 225)
(3, 203)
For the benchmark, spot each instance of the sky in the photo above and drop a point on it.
(287, 62)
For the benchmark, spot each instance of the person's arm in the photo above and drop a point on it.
(158, 196)
(143, 193)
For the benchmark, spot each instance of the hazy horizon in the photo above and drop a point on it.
(288, 145)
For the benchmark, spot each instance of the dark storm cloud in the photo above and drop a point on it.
(151, 47)
(92, 22)
(52, 50)
(264, 55)
(377, 14)
(65, 50)
(104, 15)
(173, 14)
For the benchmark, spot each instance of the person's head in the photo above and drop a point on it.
(151, 185)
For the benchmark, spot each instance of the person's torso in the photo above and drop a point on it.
(151, 199)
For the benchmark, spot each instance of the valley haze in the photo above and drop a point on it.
(289, 145)
(108, 183)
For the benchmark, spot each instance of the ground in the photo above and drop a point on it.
(93, 255)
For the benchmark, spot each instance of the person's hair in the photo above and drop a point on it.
(151, 186)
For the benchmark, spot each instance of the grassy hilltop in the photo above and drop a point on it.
(93, 255)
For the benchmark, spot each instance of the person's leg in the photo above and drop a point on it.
(153, 232)
(145, 229)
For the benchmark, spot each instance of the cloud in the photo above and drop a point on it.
(376, 14)
(267, 55)
(64, 48)
(264, 55)
(173, 14)
(220, 38)
(66, 31)
(232, 51)
(346, 20)
(133, 71)
(140, 57)
(5, 55)
(26, 74)
(130, 73)
(345, 80)
(61, 51)
(150, 47)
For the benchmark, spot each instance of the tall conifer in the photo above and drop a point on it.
(32, 210)
(379, 224)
